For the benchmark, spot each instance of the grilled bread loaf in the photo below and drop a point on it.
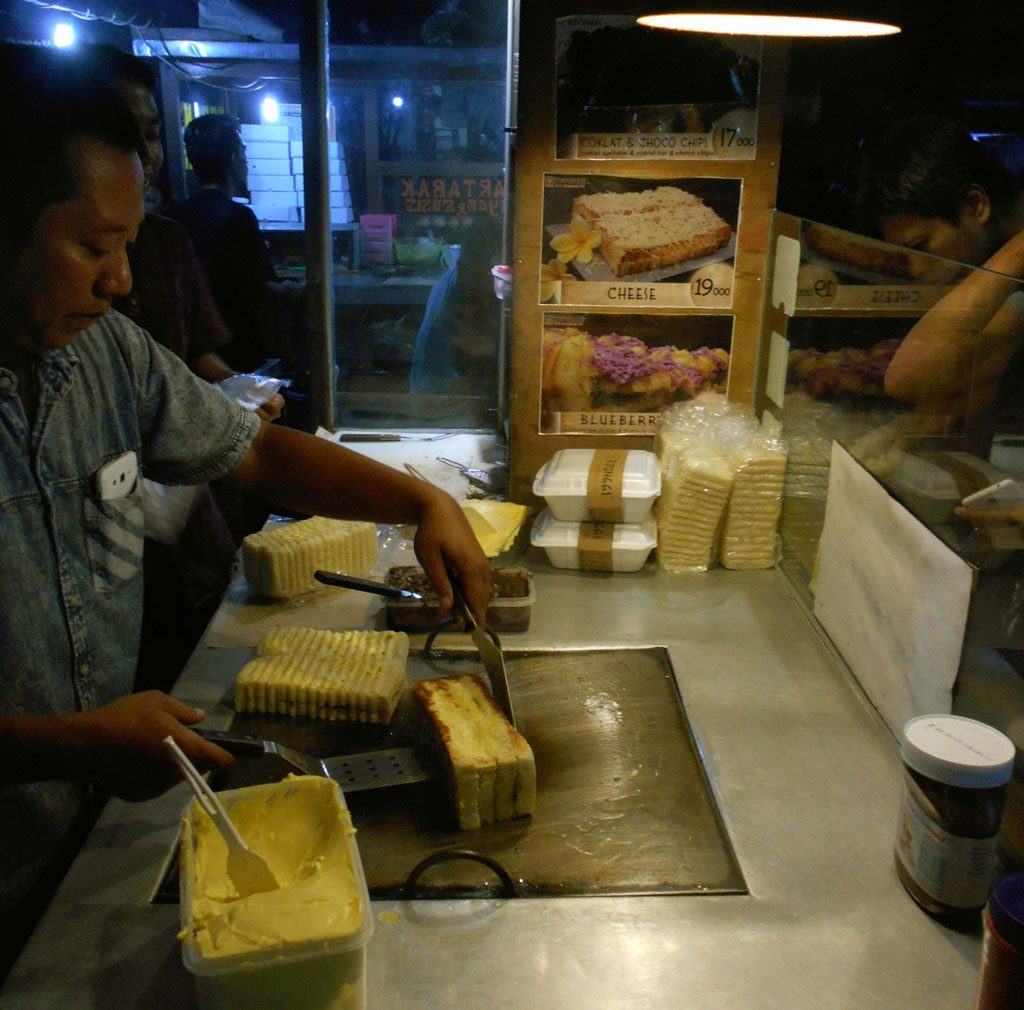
(490, 766)
(651, 229)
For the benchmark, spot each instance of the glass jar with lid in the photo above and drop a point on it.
(955, 775)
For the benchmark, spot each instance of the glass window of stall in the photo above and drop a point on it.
(416, 110)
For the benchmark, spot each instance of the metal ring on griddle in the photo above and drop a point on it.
(508, 887)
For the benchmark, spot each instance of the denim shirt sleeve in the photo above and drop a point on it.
(192, 433)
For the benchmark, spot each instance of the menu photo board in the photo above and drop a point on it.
(841, 270)
(620, 242)
(612, 374)
(625, 91)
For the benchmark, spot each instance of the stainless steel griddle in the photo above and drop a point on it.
(624, 805)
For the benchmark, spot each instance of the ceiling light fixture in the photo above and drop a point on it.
(792, 20)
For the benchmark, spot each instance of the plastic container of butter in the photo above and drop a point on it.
(563, 482)
(509, 610)
(626, 550)
(315, 975)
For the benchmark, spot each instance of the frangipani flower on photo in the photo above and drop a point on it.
(578, 243)
(552, 274)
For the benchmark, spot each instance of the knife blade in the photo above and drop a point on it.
(489, 647)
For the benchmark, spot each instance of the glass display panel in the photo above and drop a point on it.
(913, 364)
(416, 134)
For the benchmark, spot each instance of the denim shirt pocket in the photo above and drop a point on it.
(114, 536)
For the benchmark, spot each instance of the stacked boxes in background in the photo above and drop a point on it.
(276, 177)
(599, 515)
(377, 238)
(273, 197)
(341, 197)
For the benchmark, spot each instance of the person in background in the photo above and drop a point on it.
(227, 237)
(87, 398)
(171, 300)
(927, 184)
(455, 352)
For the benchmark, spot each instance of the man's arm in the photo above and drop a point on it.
(118, 746)
(967, 339)
(314, 475)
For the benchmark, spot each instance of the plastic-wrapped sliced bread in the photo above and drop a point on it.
(752, 515)
(279, 561)
(353, 676)
(695, 491)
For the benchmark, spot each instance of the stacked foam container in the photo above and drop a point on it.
(599, 514)
(722, 483)
(277, 179)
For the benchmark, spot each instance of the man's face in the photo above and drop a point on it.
(967, 241)
(76, 257)
(140, 101)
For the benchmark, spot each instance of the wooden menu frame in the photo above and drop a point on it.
(535, 155)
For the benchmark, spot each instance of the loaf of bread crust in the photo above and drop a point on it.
(280, 561)
(490, 766)
(354, 676)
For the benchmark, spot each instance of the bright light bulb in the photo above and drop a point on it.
(397, 101)
(196, 110)
(767, 24)
(271, 111)
(63, 35)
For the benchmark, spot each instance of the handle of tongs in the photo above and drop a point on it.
(461, 609)
(201, 788)
(460, 604)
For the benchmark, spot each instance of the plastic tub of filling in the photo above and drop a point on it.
(596, 547)
(510, 608)
(610, 485)
(302, 947)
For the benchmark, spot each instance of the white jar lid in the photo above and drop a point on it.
(958, 751)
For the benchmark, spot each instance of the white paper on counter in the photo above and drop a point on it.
(892, 597)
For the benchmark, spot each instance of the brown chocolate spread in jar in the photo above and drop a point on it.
(955, 777)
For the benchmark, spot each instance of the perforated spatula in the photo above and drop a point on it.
(353, 772)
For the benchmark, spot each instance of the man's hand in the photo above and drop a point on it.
(444, 534)
(119, 746)
(271, 410)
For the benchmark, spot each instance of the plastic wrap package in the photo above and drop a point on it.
(722, 487)
(752, 515)
(697, 444)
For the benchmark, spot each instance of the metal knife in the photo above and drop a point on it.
(489, 647)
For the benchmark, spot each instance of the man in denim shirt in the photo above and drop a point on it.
(87, 403)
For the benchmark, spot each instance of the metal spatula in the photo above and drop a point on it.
(248, 871)
(353, 772)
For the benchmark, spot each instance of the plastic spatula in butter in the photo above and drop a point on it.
(248, 871)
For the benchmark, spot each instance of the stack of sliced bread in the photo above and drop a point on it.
(490, 766)
(355, 676)
(279, 561)
(751, 519)
(693, 500)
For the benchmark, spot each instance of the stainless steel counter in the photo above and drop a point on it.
(808, 782)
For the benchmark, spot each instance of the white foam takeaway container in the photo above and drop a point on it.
(631, 545)
(562, 482)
